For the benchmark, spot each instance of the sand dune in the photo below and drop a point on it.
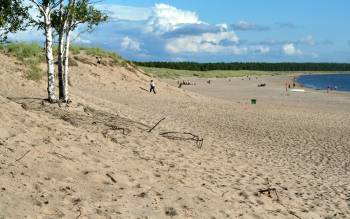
(96, 159)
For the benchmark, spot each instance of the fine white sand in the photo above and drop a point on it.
(76, 162)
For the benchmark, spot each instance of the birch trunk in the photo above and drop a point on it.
(49, 56)
(60, 57)
(60, 73)
(66, 66)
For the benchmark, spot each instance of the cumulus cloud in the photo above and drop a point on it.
(289, 49)
(207, 42)
(168, 18)
(130, 44)
(246, 26)
(195, 29)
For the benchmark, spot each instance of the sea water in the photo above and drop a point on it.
(339, 82)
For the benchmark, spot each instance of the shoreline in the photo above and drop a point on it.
(319, 89)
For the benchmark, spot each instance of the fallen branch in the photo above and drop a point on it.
(186, 136)
(23, 156)
(156, 124)
(125, 131)
(79, 209)
(268, 191)
(111, 177)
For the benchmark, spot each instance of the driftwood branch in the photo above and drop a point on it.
(156, 124)
(23, 156)
(184, 136)
(111, 177)
(268, 191)
(79, 210)
(125, 131)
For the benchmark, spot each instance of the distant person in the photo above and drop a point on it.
(99, 59)
(286, 85)
(335, 87)
(208, 81)
(152, 87)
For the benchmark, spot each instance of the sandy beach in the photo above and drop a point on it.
(288, 156)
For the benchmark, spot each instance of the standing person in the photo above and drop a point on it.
(152, 87)
(286, 85)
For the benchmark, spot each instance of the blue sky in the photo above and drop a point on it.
(223, 30)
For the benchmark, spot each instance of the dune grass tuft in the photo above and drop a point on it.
(31, 54)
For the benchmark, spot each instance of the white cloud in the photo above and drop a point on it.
(207, 42)
(245, 25)
(309, 40)
(167, 18)
(130, 44)
(289, 49)
(121, 12)
(261, 49)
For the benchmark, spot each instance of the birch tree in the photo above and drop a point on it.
(66, 20)
(13, 16)
(45, 9)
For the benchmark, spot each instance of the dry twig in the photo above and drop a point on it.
(156, 124)
(23, 156)
(111, 177)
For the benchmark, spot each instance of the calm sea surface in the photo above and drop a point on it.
(322, 81)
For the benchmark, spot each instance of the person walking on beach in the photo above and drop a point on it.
(152, 87)
(286, 85)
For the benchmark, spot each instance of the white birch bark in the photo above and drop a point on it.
(66, 66)
(45, 10)
(60, 57)
(49, 55)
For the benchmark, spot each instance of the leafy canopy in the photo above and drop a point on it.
(13, 15)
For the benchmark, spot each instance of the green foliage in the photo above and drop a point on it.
(13, 13)
(25, 51)
(83, 12)
(98, 52)
(75, 49)
(172, 73)
(31, 54)
(35, 73)
(235, 66)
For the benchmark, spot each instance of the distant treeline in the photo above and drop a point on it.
(193, 66)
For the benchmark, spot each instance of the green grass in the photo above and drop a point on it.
(98, 52)
(172, 73)
(31, 54)
(25, 51)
